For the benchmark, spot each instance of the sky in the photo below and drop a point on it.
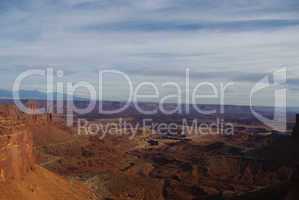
(153, 40)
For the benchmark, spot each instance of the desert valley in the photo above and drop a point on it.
(42, 158)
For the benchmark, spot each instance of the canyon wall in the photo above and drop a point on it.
(16, 157)
(16, 140)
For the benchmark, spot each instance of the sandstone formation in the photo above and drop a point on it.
(16, 158)
(20, 176)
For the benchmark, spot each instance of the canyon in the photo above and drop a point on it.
(41, 158)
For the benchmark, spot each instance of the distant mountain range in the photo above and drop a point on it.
(34, 94)
(7, 95)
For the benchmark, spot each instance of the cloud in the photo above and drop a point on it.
(221, 39)
(293, 84)
(154, 26)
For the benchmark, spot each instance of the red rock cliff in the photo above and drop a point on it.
(16, 157)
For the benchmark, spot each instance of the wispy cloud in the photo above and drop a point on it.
(239, 40)
(232, 26)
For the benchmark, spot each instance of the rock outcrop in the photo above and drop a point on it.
(20, 175)
(295, 133)
(16, 158)
(16, 142)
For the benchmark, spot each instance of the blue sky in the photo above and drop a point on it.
(155, 40)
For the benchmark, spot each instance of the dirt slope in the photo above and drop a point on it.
(43, 185)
